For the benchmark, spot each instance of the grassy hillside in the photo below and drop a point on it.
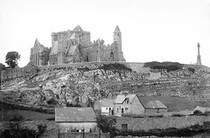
(176, 85)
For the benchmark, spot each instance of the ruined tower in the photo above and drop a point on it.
(199, 56)
(117, 38)
(118, 43)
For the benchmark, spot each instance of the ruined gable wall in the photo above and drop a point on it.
(39, 55)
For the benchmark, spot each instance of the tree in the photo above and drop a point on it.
(106, 124)
(2, 67)
(11, 59)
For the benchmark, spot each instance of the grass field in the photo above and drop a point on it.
(7, 113)
(176, 103)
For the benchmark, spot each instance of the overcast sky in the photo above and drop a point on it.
(152, 30)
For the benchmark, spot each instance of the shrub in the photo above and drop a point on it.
(191, 70)
(117, 67)
(15, 131)
(177, 115)
(156, 116)
(169, 66)
(52, 101)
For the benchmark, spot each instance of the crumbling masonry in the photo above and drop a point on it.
(74, 46)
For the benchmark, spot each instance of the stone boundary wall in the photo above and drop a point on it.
(30, 71)
(147, 123)
(27, 72)
(135, 66)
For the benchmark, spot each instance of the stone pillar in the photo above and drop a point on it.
(199, 56)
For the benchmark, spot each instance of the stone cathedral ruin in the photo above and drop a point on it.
(75, 46)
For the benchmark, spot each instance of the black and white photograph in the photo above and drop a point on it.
(104, 68)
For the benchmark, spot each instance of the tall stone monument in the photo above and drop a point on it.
(199, 56)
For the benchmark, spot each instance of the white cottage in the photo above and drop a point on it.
(106, 106)
(128, 104)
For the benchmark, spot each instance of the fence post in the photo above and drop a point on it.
(58, 133)
(83, 133)
(99, 135)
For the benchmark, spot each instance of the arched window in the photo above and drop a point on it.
(111, 56)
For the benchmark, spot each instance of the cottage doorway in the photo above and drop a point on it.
(122, 110)
(111, 56)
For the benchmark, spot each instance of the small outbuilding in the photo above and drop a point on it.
(201, 110)
(105, 106)
(154, 107)
(75, 119)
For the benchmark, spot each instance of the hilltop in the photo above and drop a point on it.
(178, 86)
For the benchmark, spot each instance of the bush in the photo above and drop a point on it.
(15, 131)
(177, 115)
(106, 124)
(52, 101)
(191, 70)
(117, 67)
(156, 116)
(169, 66)
(199, 113)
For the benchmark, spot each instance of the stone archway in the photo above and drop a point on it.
(111, 56)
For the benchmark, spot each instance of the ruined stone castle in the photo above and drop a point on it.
(74, 46)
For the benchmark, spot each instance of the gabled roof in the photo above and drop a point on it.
(117, 29)
(201, 109)
(155, 105)
(75, 114)
(120, 98)
(77, 28)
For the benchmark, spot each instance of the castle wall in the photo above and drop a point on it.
(75, 46)
(39, 54)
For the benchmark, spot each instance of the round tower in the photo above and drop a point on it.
(117, 38)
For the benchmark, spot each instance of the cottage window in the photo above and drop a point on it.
(127, 100)
(126, 108)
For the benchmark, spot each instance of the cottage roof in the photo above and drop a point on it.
(201, 109)
(75, 114)
(155, 105)
(121, 98)
(104, 103)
